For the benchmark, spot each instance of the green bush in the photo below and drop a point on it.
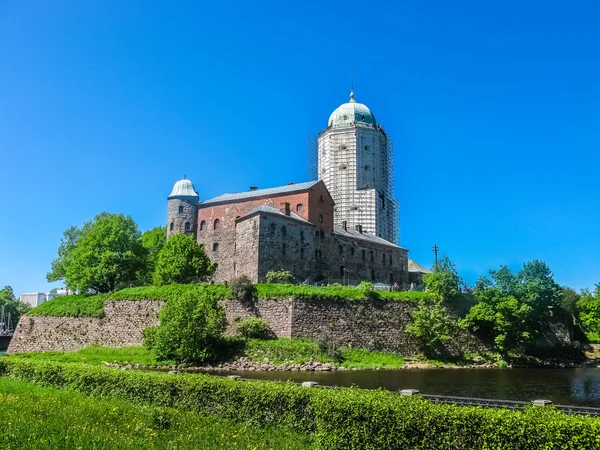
(242, 289)
(431, 326)
(191, 329)
(253, 328)
(280, 277)
(347, 418)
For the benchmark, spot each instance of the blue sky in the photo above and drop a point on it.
(493, 108)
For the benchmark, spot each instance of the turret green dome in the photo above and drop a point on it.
(352, 114)
(183, 188)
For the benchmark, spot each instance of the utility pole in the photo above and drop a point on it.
(436, 249)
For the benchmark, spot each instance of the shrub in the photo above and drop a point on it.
(242, 289)
(253, 328)
(368, 292)
(329, 347)
(432, 326)
(191, 329)
(338, 418)
(280, 277)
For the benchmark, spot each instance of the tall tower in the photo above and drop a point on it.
(182, 211)
(355, 160)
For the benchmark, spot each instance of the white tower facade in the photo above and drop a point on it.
(355, 161)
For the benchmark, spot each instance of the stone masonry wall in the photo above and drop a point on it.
(121, 325)
(367, 324)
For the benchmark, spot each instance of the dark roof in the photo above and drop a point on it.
(414, 266)
(261, 192)
(270, 210)
(349, 233)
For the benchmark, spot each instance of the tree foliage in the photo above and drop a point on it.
(432, 326)
(444, 282)
(191, 328)
(182, 260)
(510, 307)
(280, 277)
(12, 305)
(152, 241)
(589, 306)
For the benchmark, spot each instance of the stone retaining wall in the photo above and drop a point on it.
(367, 324)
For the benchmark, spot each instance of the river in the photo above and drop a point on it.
(562, 386)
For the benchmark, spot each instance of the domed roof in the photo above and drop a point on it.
(352, 114)
(183, 188)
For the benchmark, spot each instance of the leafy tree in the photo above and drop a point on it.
(432, 326)
(104, 252)
(280, 277)
(11, 305)
(510, 306)
(568, 303)
(153, 241)
(182, 260)
(444, 282)
(191, 328)
(589, 305)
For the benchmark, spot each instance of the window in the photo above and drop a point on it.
(217, 224)
(316, 233)
(341, 249)
(203, 225)
(272, 228)
(364, 254)
(172, 226)
(299, 207)
(215, 246)
(321, 199)
(390, 260)
(352, 251)
(284, 231)
(301, 236)
(372, 256)
(322, 234)
(180, 209)
(187, 226)
(342, 271)
(391, 278)
(372, 274)
(301, 253)
(318, 254)
(283, 249)
(383, 258)
(320, 218)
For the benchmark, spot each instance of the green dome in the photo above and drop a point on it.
(183, 188)
(352, 114)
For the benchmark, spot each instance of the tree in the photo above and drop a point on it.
(182, 260)
(432, 326)
(280, 277)
(104, 252)
(191, 328)
(444, 281)
(589, 305)
(11, 305)
(153, 241)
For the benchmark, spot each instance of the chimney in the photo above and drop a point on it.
(290, 183)
(253, 188)
(286, 206)
(345, 225)
(358, 228)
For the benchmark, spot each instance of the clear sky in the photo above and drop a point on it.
(494, 109)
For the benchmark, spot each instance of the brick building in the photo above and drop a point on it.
(341, 228)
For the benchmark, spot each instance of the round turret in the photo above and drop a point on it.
(182, 211)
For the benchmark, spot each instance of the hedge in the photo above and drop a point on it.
(347, 418)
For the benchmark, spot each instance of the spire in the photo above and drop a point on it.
(352, 96)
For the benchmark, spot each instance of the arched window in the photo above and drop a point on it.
(180, 209)
(217, 224)
(203, 225)
(320, 218)
(215, 246)
(321, 199)
(172, 226)
(299, 207)
(187, 226)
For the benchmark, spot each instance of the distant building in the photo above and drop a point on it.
(34, 299)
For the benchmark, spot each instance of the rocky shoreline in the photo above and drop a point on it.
(245, 365)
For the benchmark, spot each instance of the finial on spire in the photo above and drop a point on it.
(352, 84)
(184, 176)
(352, 96)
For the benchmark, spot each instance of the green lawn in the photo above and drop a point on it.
(93, 305)
(35, 417)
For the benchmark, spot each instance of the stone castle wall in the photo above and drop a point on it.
(366, 324)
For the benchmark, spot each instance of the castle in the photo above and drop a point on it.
(341, 228)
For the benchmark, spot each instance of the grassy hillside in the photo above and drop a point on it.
(93, 305)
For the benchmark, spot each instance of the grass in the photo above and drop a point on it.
(300, 351)
(277, 351)
(93, 305)
(35, 417)
(95, 354)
